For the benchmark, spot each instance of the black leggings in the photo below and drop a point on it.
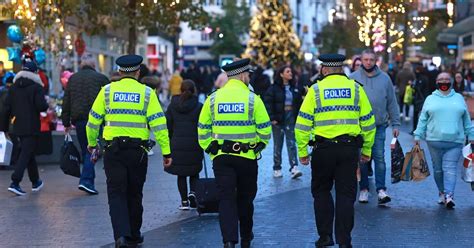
(183, 186)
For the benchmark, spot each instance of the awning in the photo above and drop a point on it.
(450, 35)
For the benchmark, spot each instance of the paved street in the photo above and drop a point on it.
(61, 216)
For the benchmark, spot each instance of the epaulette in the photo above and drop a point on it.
(358, 82)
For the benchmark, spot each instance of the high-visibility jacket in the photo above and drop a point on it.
(128, 108)
(234, 113)
(335, 106)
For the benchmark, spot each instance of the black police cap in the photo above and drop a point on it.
(237, 67)
(332, 60)
(129, 63)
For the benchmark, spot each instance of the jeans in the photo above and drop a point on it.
(445, 157)
(281, 130)
(378, 156)
(88, 171)
(26, 160)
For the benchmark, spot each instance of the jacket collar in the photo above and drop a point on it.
(86, 67)
(28, 75)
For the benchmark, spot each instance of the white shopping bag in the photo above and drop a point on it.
(468, 168)
(6, 147)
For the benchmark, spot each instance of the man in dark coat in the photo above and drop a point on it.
(23, 105)
(422, 91)
(259, 81)
(81, 91)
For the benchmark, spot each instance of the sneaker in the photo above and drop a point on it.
(442, 199)
(383, 197)
(135, 241)
(364, 196)
(407, 118)
(16, 189)
(192, 200)
(88, 189)
(295, 173)
(184, 205)
(37, 186)
(277, 173)
(401, 114)
(150, 153)
(450, 202)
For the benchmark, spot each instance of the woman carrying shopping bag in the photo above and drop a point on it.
(444, 123)
(182, 118)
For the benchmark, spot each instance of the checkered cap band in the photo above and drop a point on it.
(129, 69)
(333, 64)
(238, 71)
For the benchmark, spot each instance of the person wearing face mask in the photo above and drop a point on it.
(378, 86)
(283, 100)
(444, 123)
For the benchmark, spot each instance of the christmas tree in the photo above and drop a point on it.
(272, 38)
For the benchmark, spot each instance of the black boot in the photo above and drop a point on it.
(324, 241)
(245, 243)
(121, 243)
(229, 244)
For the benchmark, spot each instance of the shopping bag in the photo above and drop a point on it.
(467, 170)
(397, 158)
(419, 168)
(408, 98)
(70, 158)
(6, 148)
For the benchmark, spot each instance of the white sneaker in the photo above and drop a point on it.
(383, 197)
(277, 173)
(184, 205)
(442, 199)
(364, 196)
(401, 114)
(150, 153)
(450, 202)
(295, 173)
(407, 118)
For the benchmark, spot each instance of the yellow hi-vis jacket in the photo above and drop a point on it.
(234, 113)
(335, 106)
(128, 107)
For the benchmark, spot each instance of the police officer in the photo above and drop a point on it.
(337, 114)
(127, 107)
(233, 128)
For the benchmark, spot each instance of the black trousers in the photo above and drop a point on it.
(236, 180)
(183, 186)
(26, 160)
(334, 163)
(126, 173)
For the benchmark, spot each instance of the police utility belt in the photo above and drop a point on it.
(121, 143)
(347, 140)
(235, 147)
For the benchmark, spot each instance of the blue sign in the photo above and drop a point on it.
(231, 108)
(126, 97)
(452, 47)
(337, 93)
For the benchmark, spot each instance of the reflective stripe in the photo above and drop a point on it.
(306, 116)
(233, 123)
(155, 116)
(234, 136)
(303, 127)
(264, 125)
(96, 115)
(366, 117)
(337, 122)
(251, 103)
(213, 100)
(93, 126)
(356, 97)
(368, 128)
(158, 128)
(126, 112)
(264, 136)
(107, 97)
(337, 108)
(204, 126)
(205, 136)
(125, 124)
(316, 95)
(147, 99)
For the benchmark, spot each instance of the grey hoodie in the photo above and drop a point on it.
(379, 90)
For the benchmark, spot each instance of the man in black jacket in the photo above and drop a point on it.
(81, 91)
(422, 91)
(23, 105)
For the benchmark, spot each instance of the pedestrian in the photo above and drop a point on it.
(356, 64)
(460, 84)
(337, 114)
(404, 78)
(259, 81)
(81, 91)
(182, 118)
(234, 128)
(379, 89)
(422, 91)
(23, 104)
(127, 108)
(444, 124)
(283, 100)
(221, 80)
(175, 83)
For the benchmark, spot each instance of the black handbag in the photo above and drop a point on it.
(70, 158)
